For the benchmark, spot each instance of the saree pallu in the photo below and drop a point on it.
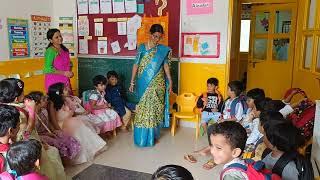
(152, 90)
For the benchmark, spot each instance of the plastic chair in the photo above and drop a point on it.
(187, 111)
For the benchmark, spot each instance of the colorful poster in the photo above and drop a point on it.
(40, 27)
(18, 34)
(105, 6)
(204, 45)
(197, 7)
(98, 29)
(83, 46)
(94, 7)
(82, 6)
(66, 29)
(122, 28)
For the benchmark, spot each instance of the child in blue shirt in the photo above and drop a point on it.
(116, 96)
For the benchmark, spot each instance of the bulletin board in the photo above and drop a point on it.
(200, 45)
(170, 20)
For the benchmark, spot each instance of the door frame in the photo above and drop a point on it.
(234, 22)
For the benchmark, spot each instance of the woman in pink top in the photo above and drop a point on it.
(57, 66)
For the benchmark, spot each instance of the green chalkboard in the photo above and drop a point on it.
(90, 67)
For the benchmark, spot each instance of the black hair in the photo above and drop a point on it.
(273, 105)
(9, 118)
(172, 172)
(23, 155)
(258, 96)
(36, 96)
(10, 89)
(50, 35)
(213, 81)
(156, 28)
(99, 79)
(284, 136)
(236, 87)
(234, 132)
(112, 74)
(267, 116)
(55, 92)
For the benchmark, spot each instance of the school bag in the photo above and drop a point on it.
(303, 116)
(254, 170)
(242, 100)
(303, 165)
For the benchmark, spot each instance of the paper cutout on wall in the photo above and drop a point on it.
(83, 46)
(115, 47)
(196, 7)
(94, 7)
(82, 6)
(132, 42)
(131, 6)
(83, 26)
(206, 45)
(122, 28)
(140, 8)
(102, 47)
(105, 6)
(118, 6)
(98, 29)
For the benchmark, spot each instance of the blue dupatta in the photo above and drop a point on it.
(150, 71)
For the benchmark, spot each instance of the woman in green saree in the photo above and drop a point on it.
(153, 85)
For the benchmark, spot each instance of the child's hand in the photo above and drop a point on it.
(109, 105)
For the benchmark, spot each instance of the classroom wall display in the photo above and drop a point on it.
(18, 33)
(66, 29)
(126, 22)
(201, 45)
(197, 7)
(40, 27)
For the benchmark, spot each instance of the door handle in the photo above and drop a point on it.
(254, 63)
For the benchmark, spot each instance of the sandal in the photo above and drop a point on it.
(190, 158)
(209, 164)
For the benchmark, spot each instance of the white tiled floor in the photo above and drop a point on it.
(122, 153)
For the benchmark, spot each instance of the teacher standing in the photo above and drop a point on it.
(153, 85)
(57, 66)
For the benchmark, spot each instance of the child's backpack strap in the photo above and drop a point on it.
(240, 99)
(235, 166)
(283, 161)
(265, 153)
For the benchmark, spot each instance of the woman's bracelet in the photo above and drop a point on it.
(132, 84)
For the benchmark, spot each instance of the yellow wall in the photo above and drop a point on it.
(34, 82)
(193, 77)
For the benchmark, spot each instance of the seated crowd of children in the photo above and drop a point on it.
(54, 129)
(252, 123)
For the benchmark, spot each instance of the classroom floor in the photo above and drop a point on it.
(122, 153)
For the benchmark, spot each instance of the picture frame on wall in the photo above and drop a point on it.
(200, 44)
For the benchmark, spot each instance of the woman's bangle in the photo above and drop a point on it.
(132, 84)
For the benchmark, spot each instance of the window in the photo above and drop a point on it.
(245, 35)
(310, 59)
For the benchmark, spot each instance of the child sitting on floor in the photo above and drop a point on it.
(116, 96)
(284, 139)
(227, 141)
(24, 158)
(67, 145)
(210, 103)
(172, 172)
(100, 107)
(9, 119)
(235, 107)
